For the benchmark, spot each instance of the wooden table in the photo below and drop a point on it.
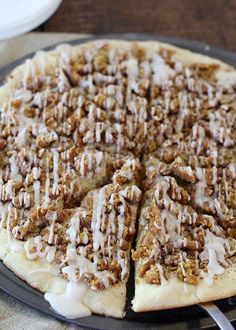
(211, 21)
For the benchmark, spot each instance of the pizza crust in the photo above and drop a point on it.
(109, 302)
(151, 297)
(51, 58)
(223, 286)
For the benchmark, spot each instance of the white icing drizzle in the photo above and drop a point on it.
(51, 230)
(215, 248)
(20, 139)
(63, 83)
(36, 187)
(72, 231)
(183, 104)
(198, 136)
(200, 197)
(181, 264)
(34, 248)
(120, 137)
(161, 274)
(4, 208)
(7, 191)
(55, 170)
(122, 262)
(161, 71)
(24, 199)
(225, 185)
(132, 71)
(14, 167)
(98, 214)
(232, 169)
(9, 234)
(219, 130)
(93, 160)
(36, 173)
(226, 79)
(23, 95)
(70, 304)
(47, 185)
(218, 208)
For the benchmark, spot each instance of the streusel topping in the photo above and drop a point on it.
(71, 142)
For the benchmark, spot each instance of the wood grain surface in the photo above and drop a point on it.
(211, 21)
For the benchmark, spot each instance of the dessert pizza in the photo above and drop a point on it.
(109, 138)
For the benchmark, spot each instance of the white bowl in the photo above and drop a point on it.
(20, 16)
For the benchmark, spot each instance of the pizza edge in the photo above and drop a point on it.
(43, 276)
(151, 297)
(52, 57)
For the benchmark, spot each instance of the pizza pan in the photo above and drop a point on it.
(179, 318)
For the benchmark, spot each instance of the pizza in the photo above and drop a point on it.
(114, 152)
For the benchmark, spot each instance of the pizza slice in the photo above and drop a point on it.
(81, 256)
(185, 252)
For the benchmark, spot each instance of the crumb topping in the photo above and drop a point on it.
(104, 131)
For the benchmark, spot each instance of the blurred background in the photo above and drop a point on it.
(211, 21)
